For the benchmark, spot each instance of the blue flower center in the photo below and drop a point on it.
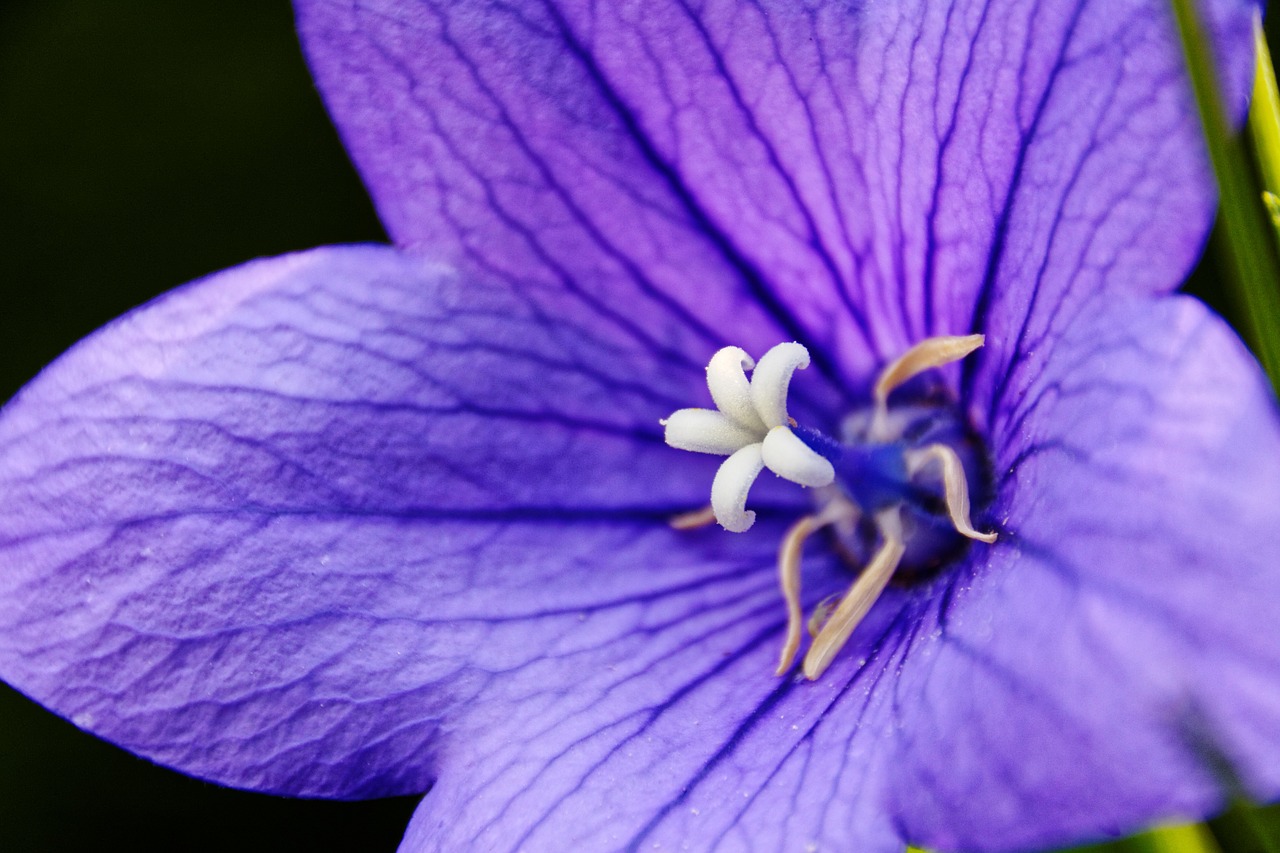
(874, 474)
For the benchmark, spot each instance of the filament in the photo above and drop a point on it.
(864, 592)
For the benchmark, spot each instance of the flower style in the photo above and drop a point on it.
(367, 520)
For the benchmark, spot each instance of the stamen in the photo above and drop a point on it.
(729, 488)
(789, 580)
(955, 486)
(694, 519)
(789, 571)
(929, 353)
(772, 378)
(730, 388)
(820, 614)
(864, 592)
(790, 458)
(705, 431)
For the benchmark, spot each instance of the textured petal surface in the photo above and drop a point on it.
(1133, 597)
(268, 528)
(854, 176)
(346, 523)
(1036, 696)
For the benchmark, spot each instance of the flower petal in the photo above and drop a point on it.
(694, 745)
(1131, 600)
(1096, 211)
(347, 524)
(1023, 703)
(856, 177)
(269, 528)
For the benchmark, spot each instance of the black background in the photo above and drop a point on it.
(144, 143)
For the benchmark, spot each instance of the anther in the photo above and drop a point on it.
(789, 553)
(864, 593)
(820, 614)
(929, 353)
(694, 519)
(955, 486)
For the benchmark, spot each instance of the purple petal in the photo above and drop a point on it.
(1134, 590)
(1036, 696)
(347, 522)
(691, 742)
(854, 176)
(269, 528)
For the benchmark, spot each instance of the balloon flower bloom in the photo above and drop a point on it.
(772, 429)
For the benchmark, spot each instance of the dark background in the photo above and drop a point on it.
(144, 143)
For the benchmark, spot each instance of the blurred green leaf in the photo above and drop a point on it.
(1246, 828)
(1264, 118)
(1251, 248)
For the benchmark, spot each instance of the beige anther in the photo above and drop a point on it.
(821, 613)
(929, 353)
(789, 553)
(693, 519)
(864, 593)
(955, 486)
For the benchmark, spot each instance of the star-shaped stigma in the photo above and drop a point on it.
(750, 425)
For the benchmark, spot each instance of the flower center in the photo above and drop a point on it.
(908, 470)
(894, 488)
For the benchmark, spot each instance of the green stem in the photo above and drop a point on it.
(1264, 115)
(1251, 240)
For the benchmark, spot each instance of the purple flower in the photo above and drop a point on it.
(366, 521)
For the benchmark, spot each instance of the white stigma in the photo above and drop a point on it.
(751, 426)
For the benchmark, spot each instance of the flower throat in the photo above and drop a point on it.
(894, 487)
